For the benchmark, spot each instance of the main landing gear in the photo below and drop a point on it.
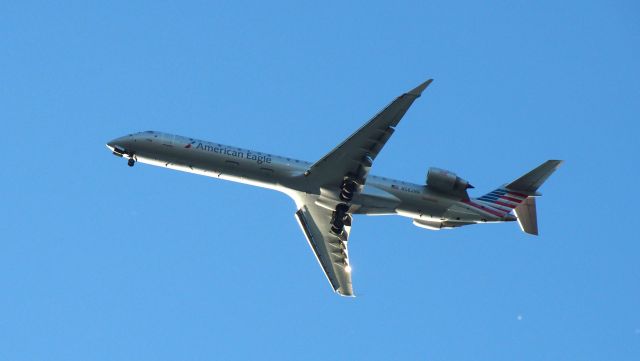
(347, 190)
(340, 219)
(131, 162)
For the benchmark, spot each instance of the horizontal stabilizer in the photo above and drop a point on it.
(531, 181)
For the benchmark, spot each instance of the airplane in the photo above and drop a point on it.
(330, 191)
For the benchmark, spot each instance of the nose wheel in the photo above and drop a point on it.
(131, 162)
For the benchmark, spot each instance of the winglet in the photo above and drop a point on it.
(420, 88)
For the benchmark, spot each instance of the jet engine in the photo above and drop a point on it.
(446, 182)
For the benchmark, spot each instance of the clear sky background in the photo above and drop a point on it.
(102, 262)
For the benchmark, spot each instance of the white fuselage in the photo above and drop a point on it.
(379, 196)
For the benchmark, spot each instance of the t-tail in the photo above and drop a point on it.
(520, 194)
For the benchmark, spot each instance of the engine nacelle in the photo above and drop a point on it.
(446, 182)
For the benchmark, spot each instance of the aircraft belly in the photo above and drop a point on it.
(423, 211)
(246, 172)
(375, 201)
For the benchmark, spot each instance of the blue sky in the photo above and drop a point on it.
(102, 262)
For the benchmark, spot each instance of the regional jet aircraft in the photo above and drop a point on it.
(330, 191)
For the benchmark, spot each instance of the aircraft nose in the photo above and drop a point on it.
(114, 142)
(118, 145)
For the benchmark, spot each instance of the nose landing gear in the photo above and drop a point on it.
(123, 153)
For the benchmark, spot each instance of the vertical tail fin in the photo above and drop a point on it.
(527, 216)
(519, 195)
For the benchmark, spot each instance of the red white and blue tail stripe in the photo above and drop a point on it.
(499, 202)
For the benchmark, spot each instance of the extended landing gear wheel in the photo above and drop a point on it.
(336, 231)
(131, 162)
(347, 189)
(338, 219)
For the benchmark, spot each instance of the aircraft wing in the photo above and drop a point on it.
(330, 250)
(355, 155)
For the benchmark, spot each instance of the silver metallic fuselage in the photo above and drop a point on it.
(380, 196)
